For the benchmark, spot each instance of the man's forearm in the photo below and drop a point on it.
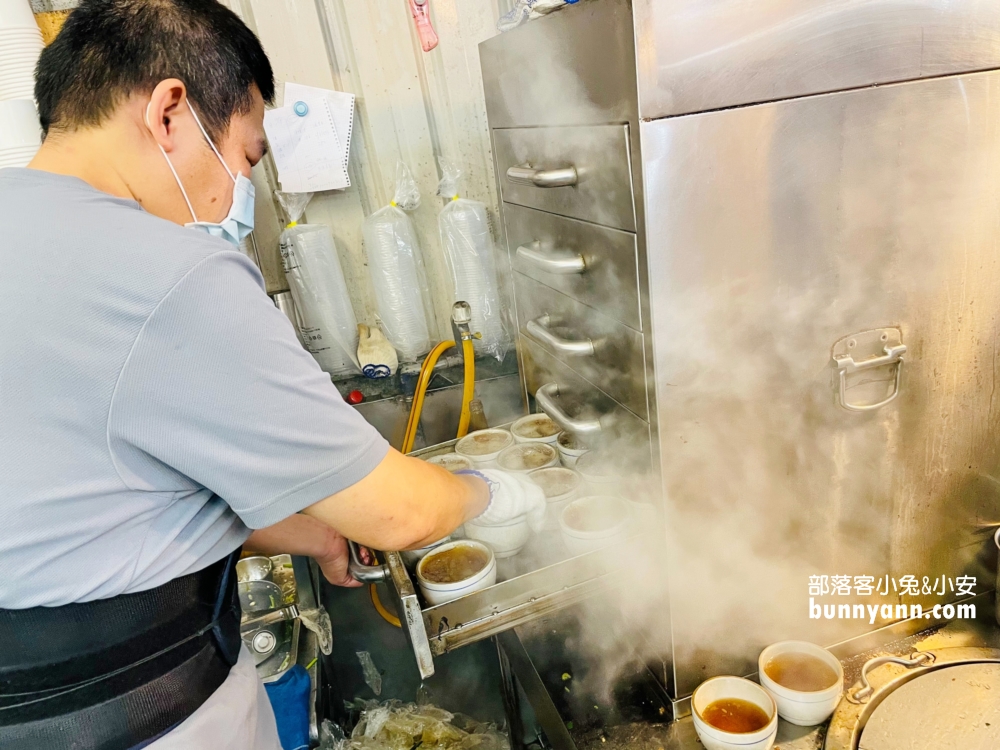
(296, 535)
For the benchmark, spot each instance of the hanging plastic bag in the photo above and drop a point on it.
(397, 271)
(468, 246)
(327, 323)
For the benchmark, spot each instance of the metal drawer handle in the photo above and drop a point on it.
(884, 348)
(543, 178)
(864, 693)
(552, 261)
(365, 573)
(539, 329)
(544, 397)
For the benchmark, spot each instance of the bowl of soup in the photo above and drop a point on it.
(456, 569)
(733, 713)
(535, 428)
(594, 522)
(482, 447)
(805, 680)
(524, 457)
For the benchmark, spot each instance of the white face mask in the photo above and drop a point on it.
(239, 221)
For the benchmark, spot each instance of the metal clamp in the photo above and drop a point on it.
(543, 178)
(864, 693)
(885, 340)
(562, 263)
(539, 329)
(544, 397)
(250, 624)
(365, 573)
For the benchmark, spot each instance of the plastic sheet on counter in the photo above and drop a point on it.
(373, 678)
(327, 324)
(397, 271)
(403, 726)
(468, 245)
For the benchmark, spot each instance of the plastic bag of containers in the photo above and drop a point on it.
(402, 726)
(326, 319)
(468, 246)
(397, 271)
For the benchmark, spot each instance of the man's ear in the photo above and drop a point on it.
(166, 103)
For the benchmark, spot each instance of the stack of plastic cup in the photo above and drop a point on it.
(20, 45)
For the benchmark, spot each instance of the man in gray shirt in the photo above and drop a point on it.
(155, 405)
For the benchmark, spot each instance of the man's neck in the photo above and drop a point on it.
(88, 154)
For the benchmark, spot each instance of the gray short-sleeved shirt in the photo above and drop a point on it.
(154, 404)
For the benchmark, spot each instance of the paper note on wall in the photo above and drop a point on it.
(341, 106)
(307, 151)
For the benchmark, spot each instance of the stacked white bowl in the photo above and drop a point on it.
(20, 46)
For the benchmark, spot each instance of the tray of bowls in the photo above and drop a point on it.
(269, 626)
(483, 580)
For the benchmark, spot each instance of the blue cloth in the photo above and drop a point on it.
(289, 698)
(154, 403)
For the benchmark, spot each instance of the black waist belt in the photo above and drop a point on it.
(115, 673)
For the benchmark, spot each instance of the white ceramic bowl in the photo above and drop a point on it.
(579, 541)
(598, 470)
(439, 593)
(570, 449)
(506, 540)
(413, 556)
(19, 126)
(720, 688)
(561, 486)
(451, 461)
(802, 708)
(526, 457)
(482, 447)
(534, 428)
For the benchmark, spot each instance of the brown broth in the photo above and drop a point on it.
(453, 565)
(802, 672)
(541, 427)
(735, 715)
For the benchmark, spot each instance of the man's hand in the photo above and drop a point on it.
(303, 535)
(334, 561)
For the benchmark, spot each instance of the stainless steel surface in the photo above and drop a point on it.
(249, 624)
(579, 401)
(520, 666)
(283, 657)
(410, 614)
(602, 350)
(547, 397)
(790, 226)
(259, 596)
(597, 155)
(950, 709)
(524, 598)
(546, 247)
(863, 693)
(575, 67)
(263, 642)
(695, 56)
(850, 719)
(256, 568)
(540, 329)
(861, 353)
(543, 178)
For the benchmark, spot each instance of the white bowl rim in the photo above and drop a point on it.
(801, 696)
(566, 495)
(747, 738)
(455, 585)
(483, 457)
(532, 418)
(525, 446)
(610, 531)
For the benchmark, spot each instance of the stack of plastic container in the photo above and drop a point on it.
(20, 46)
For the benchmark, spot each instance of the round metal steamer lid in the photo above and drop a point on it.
(951, 704)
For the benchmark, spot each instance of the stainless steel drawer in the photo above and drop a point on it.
(592, 264)
(582, 172)
(580, 407)
(601, 349)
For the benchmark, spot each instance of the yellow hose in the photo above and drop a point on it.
(468, 387)
(388, 616)
(426, 373)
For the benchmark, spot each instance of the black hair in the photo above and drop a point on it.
(109, 50)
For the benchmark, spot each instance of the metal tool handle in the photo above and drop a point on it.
(365, 573)
(562, 263)
(271, 618)
(545, 395)
(864, 693)
(846, 365)
(543, 178)
(539, 329)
